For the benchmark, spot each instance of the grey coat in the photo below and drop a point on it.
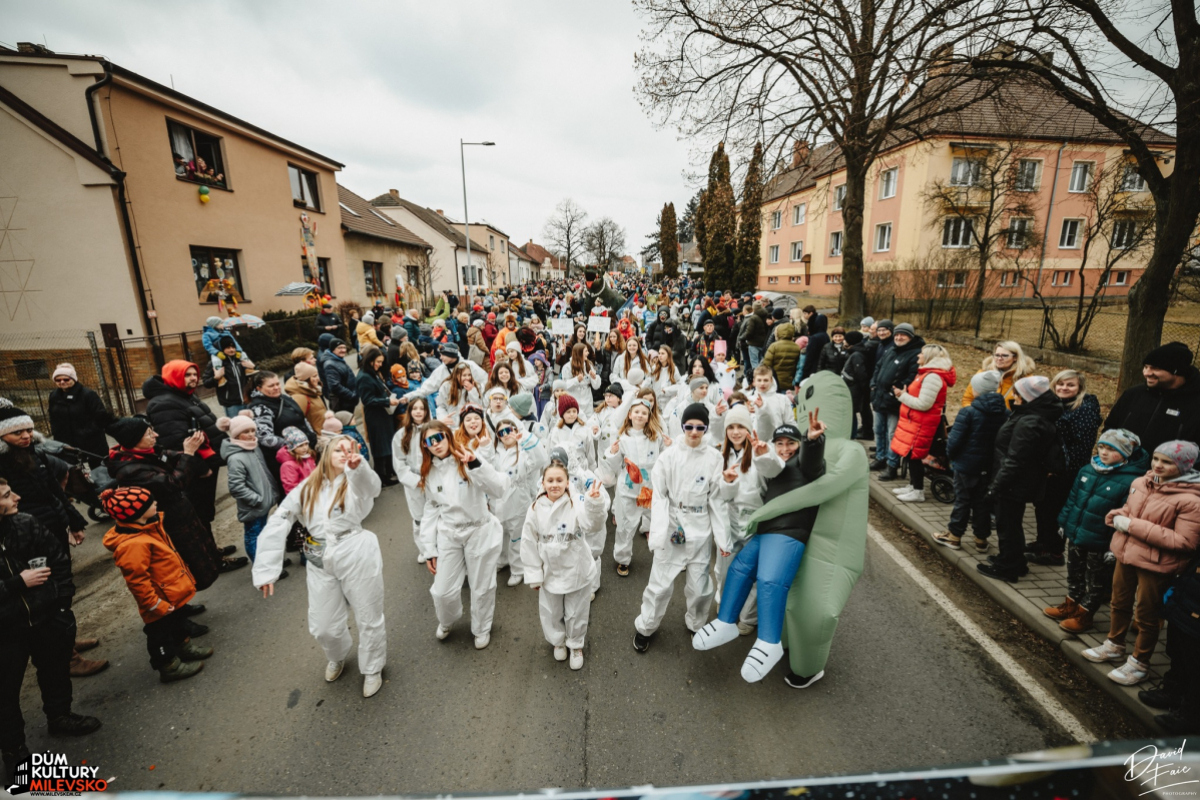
(250, 481)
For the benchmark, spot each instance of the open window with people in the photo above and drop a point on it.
(197, 156)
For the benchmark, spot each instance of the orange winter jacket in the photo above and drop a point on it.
(1164, 524)
(154, 571)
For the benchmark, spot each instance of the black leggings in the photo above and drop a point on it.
(916, 472)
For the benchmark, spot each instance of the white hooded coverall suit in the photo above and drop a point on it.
(642, 452)
(350, 572)
(557, 557)
(686, 506)
(522, 467)
(408, 471)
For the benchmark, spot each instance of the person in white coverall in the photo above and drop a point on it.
(345, 568)
(639, 443)
(460, 537)
(770, 408)
(450, 359)
(686, 516)
(520, 457)
(558, 561)
(406, 461)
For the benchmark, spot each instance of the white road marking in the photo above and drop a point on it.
(1043, 698)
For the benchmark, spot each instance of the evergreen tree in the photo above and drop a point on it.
(687, 223)
(720, 224)
(667, 242)
(749, 236)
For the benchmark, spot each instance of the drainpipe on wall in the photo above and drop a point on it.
(119, 177)
(1049, 213)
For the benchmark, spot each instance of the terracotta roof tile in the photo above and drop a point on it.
(359, 217)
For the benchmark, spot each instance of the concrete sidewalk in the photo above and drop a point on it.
(1042, 587)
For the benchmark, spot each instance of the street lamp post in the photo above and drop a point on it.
(466, 216)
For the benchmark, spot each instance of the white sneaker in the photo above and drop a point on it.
(1130, 673)
(592, 598)
(333, 670)
(576, 659)
(902, 490)
(420, 559)
(714, 634)
(1109, 651)
(483, 641)
(372, 684)
(759, 661)
(442, 632)
(745, 629)
(913, 496)
(515, 580)
(560, 653)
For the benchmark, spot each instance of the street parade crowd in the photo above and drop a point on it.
(519, 422)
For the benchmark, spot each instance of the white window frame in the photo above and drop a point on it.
(773, 254)
(1075, 226)
(1132, 181)
(794, 279)
(1021, 230)
(883, 237)
(1119, 242)
(776, 220)
(958, 280)
(965, 171)
(833, 279)
(836, 242)
(772, 280)
(889, 178)
(963, 227)
(1088, 169)
(1008, 279)
(1035, 182)
(1066, 277)
(800, 214)
(797, 250)
(839, 197)
(1116, 278)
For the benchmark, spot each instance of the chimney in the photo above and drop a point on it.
(440, 213)
(939, 60)
(1004, 49)
(34, 47)
(1046, 59)
(394, 193)
(799, 153)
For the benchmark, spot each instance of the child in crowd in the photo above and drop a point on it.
(295, 459)
(770, 408)
(157, 578)
(724, 369)
(698, 392)
(971, 446)
(1100, 486)
(520, 457)
(571, 433)
(558, 560)
(497, 408)
(406, 461)
(250, 481)
(346, 419)
(628, 462)
(742, 492)
(210, 337)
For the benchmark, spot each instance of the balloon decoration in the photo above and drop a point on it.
(315, 299)
(203, 191)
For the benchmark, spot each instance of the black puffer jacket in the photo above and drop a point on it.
(32, 475)
(78, 418)
(833, 358)
(1023, 455)
(857, 370)
(897, 367)
(818, 339)
(971, 444)
(233, 392)
(1157, 415)
(175, 413)
(23, 538)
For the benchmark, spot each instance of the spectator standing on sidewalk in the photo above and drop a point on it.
(229, 379)
(1100, 486)
(250, 482)
(1027, 450)
(1077, 429)
(1157, 535)
(77, 415)
(1179, 694)
(971, 446)
(327, 321)
(896, 370)
(921, 406)
(1010, 361)
(1167, 406)
(818, 337)
(36, 622)
(752, 335)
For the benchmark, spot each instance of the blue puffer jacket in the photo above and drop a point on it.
(1093, 496)
(972, 439)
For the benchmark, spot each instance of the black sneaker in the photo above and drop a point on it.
(230, 564)
(890, 473)
(194, 629)
(189, 610)
(640, 643)
(1046, 559)
(1161, 698)
(228, 551)
(878, 465)
(74, 725)
(1021, 573)
(800, 682)
(992, 571)
(1176, 724)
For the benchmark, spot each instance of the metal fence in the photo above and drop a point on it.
(27, 362)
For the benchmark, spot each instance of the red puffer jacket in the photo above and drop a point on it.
(921, 409)
(1164, 524)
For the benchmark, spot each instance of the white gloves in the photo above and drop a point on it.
(1121, 523)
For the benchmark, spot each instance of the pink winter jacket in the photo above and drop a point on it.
(1164, 526)
(291, 471)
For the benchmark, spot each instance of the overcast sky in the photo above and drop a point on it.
(389, 88)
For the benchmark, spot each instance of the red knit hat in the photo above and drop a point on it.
(127, 503)
(565, 403)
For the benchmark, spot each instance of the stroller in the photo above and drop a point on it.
(937, 466)
(83, 485)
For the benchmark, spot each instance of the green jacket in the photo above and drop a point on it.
(782, 356)
(1093, 496)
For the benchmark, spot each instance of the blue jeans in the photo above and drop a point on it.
(233, 411)
(885, 429)
(253, 528)
(771, 559)
(756, 354)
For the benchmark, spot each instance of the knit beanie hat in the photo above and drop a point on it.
(696, 412)
(565, 403)
(1182, 453)
(904, 328)
(854, 337)
(67, 370)
(226, 342)
(615, 389)
(398, 332)
(985, 382)
(635, 376)
(559, 454)
(293, 437)
(332, 424)
(126, 503)
(212, 322)
(1032, 387)
(739, 415)
(128, 431)
(14, 419)
(239, 424)
(521, 404)
(866, 322)
(696, 382)
(305, 371)
(1174, 357)
(1121, 440)
(450, 350)
(885, 324)
(368, 318)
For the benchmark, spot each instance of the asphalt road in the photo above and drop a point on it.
(904, 688)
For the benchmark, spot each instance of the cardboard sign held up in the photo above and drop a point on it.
(562, 326)
(599, 324)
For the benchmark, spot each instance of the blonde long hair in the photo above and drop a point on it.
(1022, 364)
(310, 490)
